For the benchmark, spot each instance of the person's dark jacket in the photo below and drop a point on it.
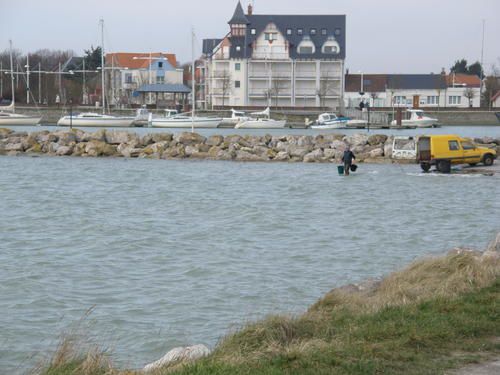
(348, 157)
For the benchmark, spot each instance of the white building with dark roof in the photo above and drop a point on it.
(275, 60)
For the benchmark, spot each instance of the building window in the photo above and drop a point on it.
(337, 31)
(300, 31)
(237, 84)
(253, 31)
(270, 36)
(454, 100)
(433, 100)
(312, 32)
(128, 78)
(400, 100)
(288, 31)
(160, 65)
(306, 47)
(237, 67)
(238, 48)
(324, 31)
(160, 79)
(330, 46)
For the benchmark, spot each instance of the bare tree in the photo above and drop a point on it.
(326, 87)
(469, 94)
(225, 84)
(491, 85)
(277, 87)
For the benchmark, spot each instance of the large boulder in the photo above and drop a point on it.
(65, 150)
(356, 140)
(128, 151)
(177, 355)
(338, 145)
(18, 146)
(243, 155)
(116, 137)
(162, 137)
(64, 138)
(215, 140)
(4, 133)
(314, 156)
(282, 156)
(376, 153)
(100, 148)
(99, 135)
(376, 139)
(186, 138)
(296, 151)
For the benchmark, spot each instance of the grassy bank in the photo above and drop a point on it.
(435, 315)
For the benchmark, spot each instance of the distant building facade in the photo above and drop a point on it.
(413, 90)
(143, 78)
(275, 60)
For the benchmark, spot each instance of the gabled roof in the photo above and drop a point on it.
(381, 82)
(209, 45)
(371, 82)
(126, 59)
(239, 17)
(466, 80)
(335, 26)
(416, 81)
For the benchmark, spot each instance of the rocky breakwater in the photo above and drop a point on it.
(325, 148)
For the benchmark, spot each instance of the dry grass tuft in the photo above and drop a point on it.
(443, 277)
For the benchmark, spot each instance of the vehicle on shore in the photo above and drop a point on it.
(443, 151)
(417, 118)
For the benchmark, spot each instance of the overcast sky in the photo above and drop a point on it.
(383, 36)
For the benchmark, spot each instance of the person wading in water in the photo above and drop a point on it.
(347, 159)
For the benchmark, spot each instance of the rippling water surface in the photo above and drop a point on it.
(172, 253)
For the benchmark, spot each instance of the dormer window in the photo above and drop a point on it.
(324, 32)
(288, 31)
(270, 36)
(331, 46)
(253, 31)
(238, 48)
(300, 31)
(337, 31)
(312, 32)
(306, 47)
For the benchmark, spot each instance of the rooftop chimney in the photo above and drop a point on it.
(250, 9)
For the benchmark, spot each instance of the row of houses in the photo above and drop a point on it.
(286, 61)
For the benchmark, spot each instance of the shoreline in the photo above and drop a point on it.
(436, 315)
(326, 148)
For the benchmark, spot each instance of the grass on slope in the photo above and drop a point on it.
(436, 314)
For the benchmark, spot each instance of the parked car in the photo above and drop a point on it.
(445, 150)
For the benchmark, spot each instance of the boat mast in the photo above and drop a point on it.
(12, 78)
(102, 68)
(193, 87)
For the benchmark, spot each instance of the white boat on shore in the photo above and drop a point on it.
(417, 118)
(183, 121)
(330, 121)
(7, 113)
(236, 117)
(262, 120)
(96, 120)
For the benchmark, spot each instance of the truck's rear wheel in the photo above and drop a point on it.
(444, 166)
(488, 160)
(425, 167)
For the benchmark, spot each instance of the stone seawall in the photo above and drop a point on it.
(326, 148)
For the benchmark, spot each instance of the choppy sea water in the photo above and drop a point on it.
(170, 253)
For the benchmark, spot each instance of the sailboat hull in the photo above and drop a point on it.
(97, 122)
(186, 123)
(19, 120)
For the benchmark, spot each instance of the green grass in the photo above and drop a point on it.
(425, 338)
(435, 315)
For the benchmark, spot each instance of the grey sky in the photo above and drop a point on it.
(386, 36)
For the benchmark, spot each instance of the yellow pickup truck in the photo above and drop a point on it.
(445, 150)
